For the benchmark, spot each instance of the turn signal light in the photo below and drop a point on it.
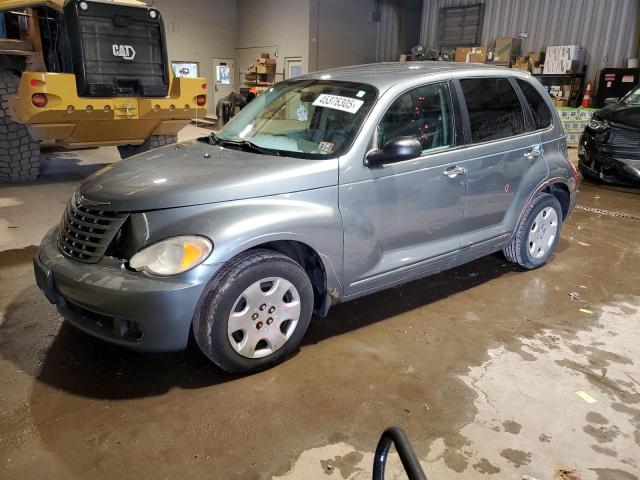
(201, 100)
(204, 86)
(39, 100)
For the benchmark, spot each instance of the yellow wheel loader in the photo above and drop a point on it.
(87, 73)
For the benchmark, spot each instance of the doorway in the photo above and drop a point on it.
(292, 67)
(223, 81)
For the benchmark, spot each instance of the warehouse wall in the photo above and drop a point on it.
(199, 32)
(276, 26)
(607, 29)
(342, 33)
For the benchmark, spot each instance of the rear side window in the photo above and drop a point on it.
(537, 105)
(494, 109)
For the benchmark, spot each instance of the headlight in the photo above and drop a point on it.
(597, 124)
(172, 256)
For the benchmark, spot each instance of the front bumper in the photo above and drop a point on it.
(598, 164)
(108, 301)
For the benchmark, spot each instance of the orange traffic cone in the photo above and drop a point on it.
(586, 100)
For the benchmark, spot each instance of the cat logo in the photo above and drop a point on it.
(125, 51)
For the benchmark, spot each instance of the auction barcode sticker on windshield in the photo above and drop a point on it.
(346, 104)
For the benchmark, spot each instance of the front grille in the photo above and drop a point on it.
(85, 233)
(625, 141)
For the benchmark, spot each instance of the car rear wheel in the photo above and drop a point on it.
(154, 141)
(19, 153)
(537, 234)
(255, 312)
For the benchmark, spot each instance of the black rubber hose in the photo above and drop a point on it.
(408, 457)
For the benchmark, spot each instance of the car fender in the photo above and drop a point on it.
(309, 217)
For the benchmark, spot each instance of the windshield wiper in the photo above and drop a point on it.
(245, 145)
(215, 139)
(259, 149)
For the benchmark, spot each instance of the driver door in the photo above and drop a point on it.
(402, 220)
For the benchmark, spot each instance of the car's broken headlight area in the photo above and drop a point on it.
(598, 125)
(172, 255)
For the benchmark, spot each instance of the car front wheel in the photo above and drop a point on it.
(255, 312)
(537, 233)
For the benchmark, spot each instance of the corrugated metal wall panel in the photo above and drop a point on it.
(388, 48)
(607, 29)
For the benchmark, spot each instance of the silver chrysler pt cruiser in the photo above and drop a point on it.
(323, 189)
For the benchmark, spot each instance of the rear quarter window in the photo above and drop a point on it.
(494, 108)
(537, 105)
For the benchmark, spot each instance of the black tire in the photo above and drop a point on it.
(518, 250)
(154, 141)
(212, 314)
(19, 153)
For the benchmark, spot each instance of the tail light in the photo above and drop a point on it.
(201, 100)
(39, 100)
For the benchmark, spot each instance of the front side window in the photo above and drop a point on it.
(303, 118)
(537, 105)
(424, 113)
(494, 109)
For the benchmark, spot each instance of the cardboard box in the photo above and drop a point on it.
(560, 102)
(585, 114)
(566, 52)
(264, 55)
(506, 48)
(476, 54)
(265, 69)
(536, 57)
(560, 67)
(266, 61)
(461, 54)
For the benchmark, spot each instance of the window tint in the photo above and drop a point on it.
(423, 113)
(537, 105)
(494, 108)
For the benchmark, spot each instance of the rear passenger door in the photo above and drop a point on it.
(504, 161)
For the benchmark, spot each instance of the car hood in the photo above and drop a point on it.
(628, 115)
(194, 173)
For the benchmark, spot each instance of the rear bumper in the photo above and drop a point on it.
(77, 121)
(130, 309)
(598, 164)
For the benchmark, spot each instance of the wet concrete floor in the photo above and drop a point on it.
(479, 365)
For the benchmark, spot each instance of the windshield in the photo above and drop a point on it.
(304, 118)
(632, 98)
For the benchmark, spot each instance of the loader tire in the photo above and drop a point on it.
(19, 153)
(154, 141)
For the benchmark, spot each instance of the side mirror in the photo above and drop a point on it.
(395, 150)
(610, 100)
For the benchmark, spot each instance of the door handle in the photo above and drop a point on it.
(533, 152)
(453, 172)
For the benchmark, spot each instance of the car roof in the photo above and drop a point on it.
(385, 75)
